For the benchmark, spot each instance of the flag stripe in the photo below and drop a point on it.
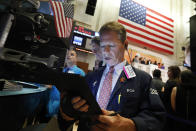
(71, 22)
(159, 25)
(159, 17)
(159, 28)
(148, 38)
(59, 17)
(63, 19)
(150, 27)
(146, 31)
(150, 42)
(159, 20)
(55, 17)
(67, 21)
(149, 45)
(165, 17)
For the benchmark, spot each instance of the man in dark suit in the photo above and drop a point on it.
(130, 94)
(157, 81)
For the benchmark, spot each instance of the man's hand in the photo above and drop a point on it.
(79, 104)
(113, 123)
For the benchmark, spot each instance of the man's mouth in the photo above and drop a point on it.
(107, 58)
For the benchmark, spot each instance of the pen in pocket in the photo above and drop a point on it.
(119, 96)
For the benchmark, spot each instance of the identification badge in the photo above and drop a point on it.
(129, 71)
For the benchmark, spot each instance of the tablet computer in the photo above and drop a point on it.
(73, 85)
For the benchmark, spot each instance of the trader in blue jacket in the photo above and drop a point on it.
(119, 87)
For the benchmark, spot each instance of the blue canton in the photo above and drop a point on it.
(133, 11)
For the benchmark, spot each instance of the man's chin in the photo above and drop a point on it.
(110, 63)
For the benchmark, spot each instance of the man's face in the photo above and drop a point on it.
(96, 50)
(112, 48)
(71, 56)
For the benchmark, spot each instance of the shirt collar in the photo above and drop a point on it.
(117, 68)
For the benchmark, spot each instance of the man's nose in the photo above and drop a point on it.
(106, 49)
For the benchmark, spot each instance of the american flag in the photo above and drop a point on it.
(63, 15)
(147, 27)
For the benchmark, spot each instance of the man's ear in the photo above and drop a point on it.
(126, 44)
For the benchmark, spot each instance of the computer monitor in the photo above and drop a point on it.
(77, 41)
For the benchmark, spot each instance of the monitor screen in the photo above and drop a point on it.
(77, 41)
(96, 33)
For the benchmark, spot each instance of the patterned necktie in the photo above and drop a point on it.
(106, 89)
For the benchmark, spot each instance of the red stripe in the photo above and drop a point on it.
(150, 39)
(143, 30)
(61, 33)
(165, 17)
(159, 25)
(54, 18)
(62, 18)
(159, 20)
(152, 28)
(149, 45)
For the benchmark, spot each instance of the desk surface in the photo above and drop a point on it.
(23, 91)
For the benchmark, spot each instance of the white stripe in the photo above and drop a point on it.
(63, 19)
(70, 26)
(159, 17)
(145, 28)
(61, 22)
(67, 22)
(148, 35)
(159, 28)
(57, 21)
(149, 42)
(160, 23)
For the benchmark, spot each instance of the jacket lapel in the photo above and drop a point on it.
(97, 81)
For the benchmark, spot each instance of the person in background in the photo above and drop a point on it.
(183, 103)
(183, 99)
(71, 60)
(149, 62)
(173, 81)
(136, 59)
(132, 97)
(140, 59)
(95, 43)
(157, 81)
(143, 60)
(155, 62)
(162, 66)
(159, 65)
